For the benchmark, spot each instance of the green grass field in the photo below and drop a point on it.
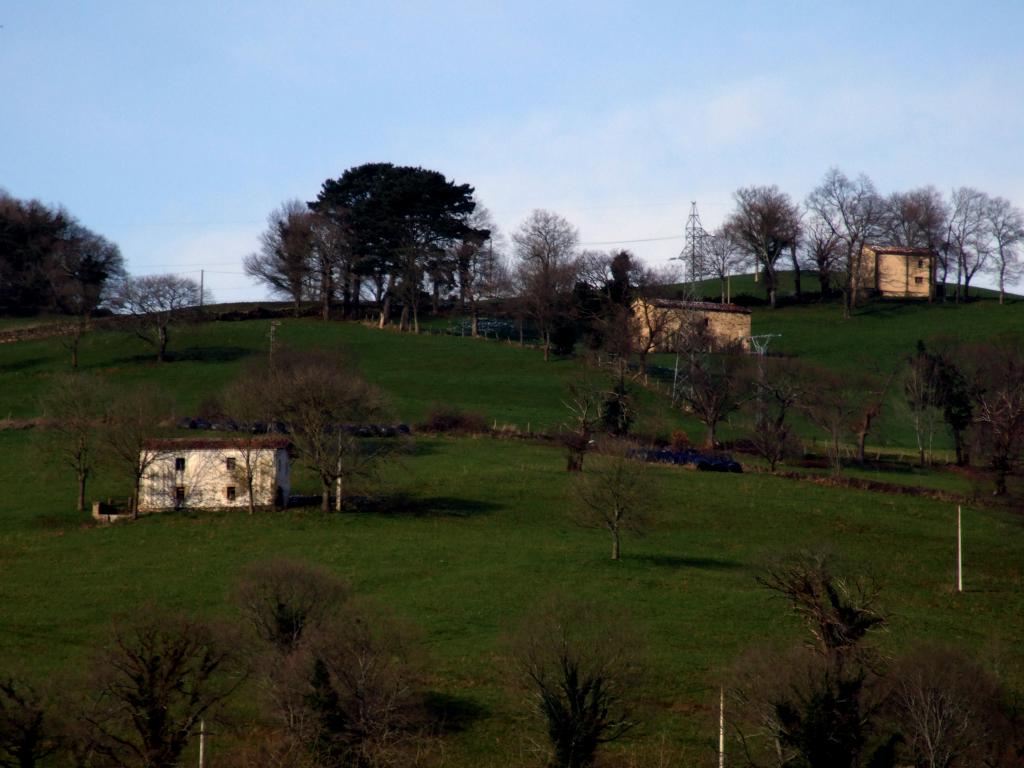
(491, 536)
(487, 531)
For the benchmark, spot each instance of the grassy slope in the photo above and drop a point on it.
(491, 537)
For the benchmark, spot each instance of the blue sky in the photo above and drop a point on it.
(174, 128)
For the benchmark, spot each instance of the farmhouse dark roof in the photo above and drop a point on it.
(701, 306)
(898, 250)
(213, 443)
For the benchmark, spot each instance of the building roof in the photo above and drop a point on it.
(214, 443)
(898, 250)
(699, 306)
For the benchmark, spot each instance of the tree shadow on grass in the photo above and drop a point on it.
(209, 354)
(705, 563)
(190, 355)
(452, 714)
(25, 364)
(404, 505)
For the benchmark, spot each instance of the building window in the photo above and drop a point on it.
(919, 280)
(179, 494)
(179, 464)
(231, 493)
(230, 464)
(920, 263)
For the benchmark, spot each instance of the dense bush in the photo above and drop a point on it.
(448, 419)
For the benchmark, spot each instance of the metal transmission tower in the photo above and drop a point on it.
(694, 254)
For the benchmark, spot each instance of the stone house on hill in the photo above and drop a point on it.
(211, 473)
(896, 272)
(665, 319)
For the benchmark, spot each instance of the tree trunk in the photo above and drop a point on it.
(711, 436)
(415, 319)
(162, 339)
(796, 275)
(547, 345)
(962, 458)
(474, 323)
(325, 497)
(252, 498)
(403, 320)
(615, 544)
(81, 491)
(385, 310)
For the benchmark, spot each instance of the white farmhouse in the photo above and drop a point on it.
(213, 473)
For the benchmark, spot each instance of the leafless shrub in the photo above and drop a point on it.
(29, 730)
(948, 709)
(580, 669)
(284, 599)
(152, 684)
(615, 495)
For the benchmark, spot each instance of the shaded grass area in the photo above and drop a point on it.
(475, 531)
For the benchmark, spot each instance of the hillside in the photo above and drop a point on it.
(475, 530)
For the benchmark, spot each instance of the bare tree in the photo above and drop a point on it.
(284, 261)
(547, 265)
(831, 403)
(765, 224)
(722, 258)
(614, 494)
(999, 407)
(74, 408)
(967, 235)
(923, 399)
(948, 709)
(584, 406)
(129, 425)
(332, 256)
(915, 219)
(853, 212)
(321, 398)
(285, 600)
(1005, 225)
(822, 249)
(483, 273)
(155, 302)
(779, 388)
(580, 669)
(29, 732)
(152, 684)
(712, 384)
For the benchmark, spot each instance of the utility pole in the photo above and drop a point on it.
(694, 253)
(959, 554)
(721, 727)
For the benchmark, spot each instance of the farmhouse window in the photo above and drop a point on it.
(231, 493)
(920, 263)
(179, 494)
(230, 464)
(179, 464)
(919, 280)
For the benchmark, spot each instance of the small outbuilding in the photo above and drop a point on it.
(896, 272)
(666, 319)
(214, 473)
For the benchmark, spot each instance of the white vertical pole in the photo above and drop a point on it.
(202, 744)
(959, 554)
(721, 728)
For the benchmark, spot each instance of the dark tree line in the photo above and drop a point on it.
(381, 230)
(50, 262)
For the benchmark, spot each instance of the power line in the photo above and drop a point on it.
(638, 240)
